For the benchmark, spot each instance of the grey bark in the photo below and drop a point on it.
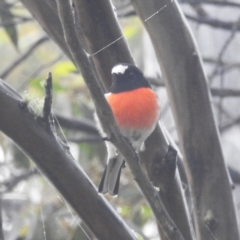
(99, 25)
(109, 125)
(55, 161)
(186, 84)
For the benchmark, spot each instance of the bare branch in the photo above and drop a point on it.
(83, 125)
(216, 92)
(47, 100)
(15, 21)
(55, 160)
(45, 15)
(229, 125)
(87, 139)
(48, 97)
(110, 46)
(22, 57)
(89, 13)
(109, 124)
(184, 76)
(214, 3)
(224, 48)
(13, 181)
(38, 71)
(225, 25)
(225, 92)
(104, 60)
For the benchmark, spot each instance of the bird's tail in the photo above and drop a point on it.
(111, 176)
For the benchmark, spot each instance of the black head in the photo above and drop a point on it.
(127, 77)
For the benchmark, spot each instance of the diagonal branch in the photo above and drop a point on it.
(187, 88)
(55, 160)
(103, 62)
(83, 125)
(109, 124)
(89, 13)
(225, 25)
(22, 57)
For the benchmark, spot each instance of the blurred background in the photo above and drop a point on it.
(31, 207)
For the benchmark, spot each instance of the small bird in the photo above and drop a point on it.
(136, 111)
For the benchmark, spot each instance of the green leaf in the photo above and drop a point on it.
(63, 68)
(6, 17)
(131, 30)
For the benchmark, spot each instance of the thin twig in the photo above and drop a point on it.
(12, 182)
(225, 92)
(38, 71)
(224, 48)
(215, 3)
(229, 125)
(225, 25)
(108, 123)
(48, 97)
(87, 139)
(47, 106)
(227, 65)
(15, 22)
(216, 92)
(80, 124)
(22, 57)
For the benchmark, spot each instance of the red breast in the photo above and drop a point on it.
(135, 109)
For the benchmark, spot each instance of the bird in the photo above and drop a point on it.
(136, 110)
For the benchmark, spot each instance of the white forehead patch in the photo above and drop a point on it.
(119, 69)
(107, 94)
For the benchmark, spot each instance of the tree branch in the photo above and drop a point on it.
(109, 124)
(55, 160)
(225, 25)
(47, 107)
(83, 125)
(22, 57)
(87, 139)
(229, 125)
(189, 98)
(13, 181)
(214, 3)
(45, 15)
(105, 62)
(225, 92)
(110, 46)
(216, 92)
(90, 13)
